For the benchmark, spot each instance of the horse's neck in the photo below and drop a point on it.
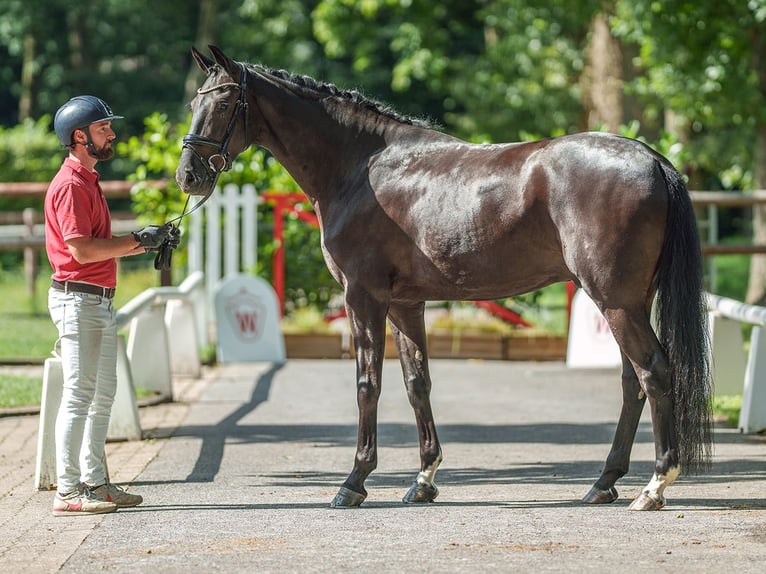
(313, 138)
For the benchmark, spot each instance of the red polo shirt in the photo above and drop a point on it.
(75, 206)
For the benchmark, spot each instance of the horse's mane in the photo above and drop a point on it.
(310, 84)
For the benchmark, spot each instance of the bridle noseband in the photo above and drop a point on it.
(220, 161)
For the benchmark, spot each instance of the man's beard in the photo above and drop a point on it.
(104, 153)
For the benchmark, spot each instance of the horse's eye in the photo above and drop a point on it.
(222, 106)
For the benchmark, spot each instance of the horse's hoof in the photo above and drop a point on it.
(599, 496)
(421, 493)
(347, 498)
(646, 501)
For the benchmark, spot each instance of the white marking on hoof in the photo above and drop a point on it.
(645, 501)
(656, 487)
(426, 477)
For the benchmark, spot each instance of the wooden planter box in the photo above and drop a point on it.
(536, 348)
(457, 345)
(313, 345)
(440, 345)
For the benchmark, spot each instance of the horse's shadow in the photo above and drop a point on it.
(394, 435)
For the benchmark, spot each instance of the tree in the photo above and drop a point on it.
(706, 62)
(602, 79)
(486, 70)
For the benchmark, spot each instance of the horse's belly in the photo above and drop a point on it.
(481, 275)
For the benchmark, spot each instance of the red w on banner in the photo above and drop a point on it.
(246, 313)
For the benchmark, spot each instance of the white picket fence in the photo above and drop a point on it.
(223, 234)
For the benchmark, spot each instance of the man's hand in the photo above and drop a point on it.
(174, 236)
(152, 236)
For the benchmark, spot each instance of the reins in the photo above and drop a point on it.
(184, 213)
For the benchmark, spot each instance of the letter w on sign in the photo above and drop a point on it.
(246, 314)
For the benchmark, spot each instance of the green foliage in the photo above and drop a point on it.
(726, 408)
(307, 319)
(699, 59)
(732, 275)
(487, 71)
(156, 195)
(29, 151)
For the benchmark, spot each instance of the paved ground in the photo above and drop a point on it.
(238, 472)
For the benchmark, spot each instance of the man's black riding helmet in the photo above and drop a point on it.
(79, 112)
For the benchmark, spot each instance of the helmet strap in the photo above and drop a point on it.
(88, 142)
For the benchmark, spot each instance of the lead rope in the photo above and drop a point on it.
(163, 259)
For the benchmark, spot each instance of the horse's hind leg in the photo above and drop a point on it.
(618, 460)
(409, 333)
(634, 334)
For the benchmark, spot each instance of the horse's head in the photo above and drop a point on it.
(218, 130)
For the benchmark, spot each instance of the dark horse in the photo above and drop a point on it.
(409, 214)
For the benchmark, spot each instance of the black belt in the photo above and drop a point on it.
(75, 287)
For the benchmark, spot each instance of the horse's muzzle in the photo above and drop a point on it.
(193, 181)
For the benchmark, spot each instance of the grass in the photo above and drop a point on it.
(25, 391)
(726, 409)
(27, 331)
(28, 334)
(20, 391)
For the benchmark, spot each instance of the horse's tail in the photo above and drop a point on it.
(682, 326)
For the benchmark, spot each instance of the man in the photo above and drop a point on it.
(82, 253)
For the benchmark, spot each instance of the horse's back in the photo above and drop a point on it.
(463, 221)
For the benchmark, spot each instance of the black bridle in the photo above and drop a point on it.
(221, 160)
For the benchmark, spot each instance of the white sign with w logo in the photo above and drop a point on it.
(247, 321)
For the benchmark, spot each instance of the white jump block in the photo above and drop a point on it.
(183, 339)
(752, 416)
(247, 321)
(728, 354)
(45, 465)
(590, 343)
(148, 351)
(124, 422)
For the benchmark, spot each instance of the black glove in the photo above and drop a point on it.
(165, 251)
(174, 236)
(164, 257)
(153, 236)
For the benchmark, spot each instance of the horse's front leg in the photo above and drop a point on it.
(618, 460)
(409, 333)
(367, 318)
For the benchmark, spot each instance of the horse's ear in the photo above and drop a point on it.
(231, 67)
(202, 61)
